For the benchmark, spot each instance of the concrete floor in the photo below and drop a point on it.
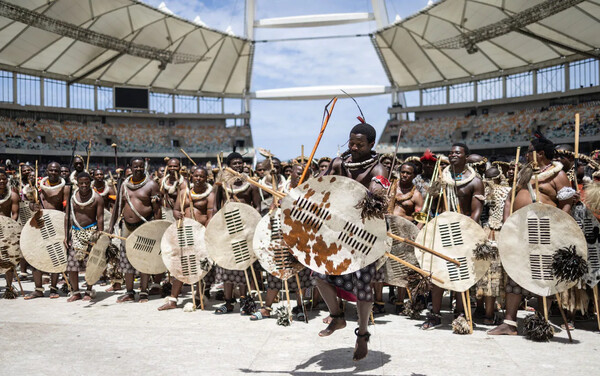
(52, 337)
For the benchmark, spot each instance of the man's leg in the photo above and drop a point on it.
(434, 318)
(509, 326)
(265, 311)
(172, 300)
(361, 349)
(74, 278)
(130, 294)
(379, 306)
(144, 278)
(54, 285)
(329, 295)
(39, 289)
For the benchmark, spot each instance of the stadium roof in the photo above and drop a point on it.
(456, 41)
(116, 42)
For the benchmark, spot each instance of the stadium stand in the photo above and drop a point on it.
(498, 128)
(44, 134)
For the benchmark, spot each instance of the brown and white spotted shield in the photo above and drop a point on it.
(273, 253)
(184, 251)
(527, 243)
(396, 273)
(457, 236)
(10, 253)
(229, 236)
(143, 247)
(324, 229)
(42, 241)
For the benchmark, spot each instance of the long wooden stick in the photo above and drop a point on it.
(312, 153)
(188, 157)
(287, 296)
(256, 285)
(391, 173)
(411, 266)
(595, 290)
(257, 184)
(576, 149)
(417, 245)
(468, 309)
(545, 305)
(201, 293)
(514, 185)
(301, 295)
(193, 296)
(67, 281)
(112, 235)
(19, 280)
(464, 301)
(564, 317)
(89, 152)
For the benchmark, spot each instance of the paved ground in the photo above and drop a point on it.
(52, 337)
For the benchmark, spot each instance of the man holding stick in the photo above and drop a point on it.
(555, 190)
(139, 203)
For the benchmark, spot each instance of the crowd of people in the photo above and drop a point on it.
(45, 134)
(405, 190)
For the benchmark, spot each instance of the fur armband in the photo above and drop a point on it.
(381, 180)
(565, 193)
(155, 198)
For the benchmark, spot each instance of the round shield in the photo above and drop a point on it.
(591, 230)
(324, 229)
(107, 220)
(143, 247)
(96, 262)
(457, 236)
(24, 213)
(527, 243)
(184, 251)
(396, 273)
(10, 253)
(42, 241)
(272, 252)
(167, 214)
(229, 236)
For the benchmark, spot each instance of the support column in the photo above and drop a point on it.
(503, 86)
(15, 91)
(535, 82)
(567, 77)
(42, 103)
(475, 85)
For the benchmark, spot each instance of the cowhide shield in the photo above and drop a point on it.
(396, 273)
(528, 241)
(143, 247)
(42, 241)
(324, 228)
(10, 253)
(591, 230)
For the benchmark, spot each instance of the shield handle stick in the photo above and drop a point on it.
(576, 149)
(193, 296)
(595, 290)
(256, 284)
(411, 266)
(257, 184)
(201, 294)
(328, 111)
(514, 184)
(287, 296)
(301, 298)
(562, 313)
(422, 247)
(18, 280)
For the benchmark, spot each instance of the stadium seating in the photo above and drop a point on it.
(46, 134)
(556, 122)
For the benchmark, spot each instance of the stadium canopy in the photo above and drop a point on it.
(121, 42)
(456, 41)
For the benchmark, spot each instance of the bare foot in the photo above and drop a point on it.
(33, 295)
(87, 297)
(361, 348)
(327, 320)
(335, 324)
(74, 297)
(115, 287)
(129, 297)
(503, 329)
(143, 297)
(168, 305)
